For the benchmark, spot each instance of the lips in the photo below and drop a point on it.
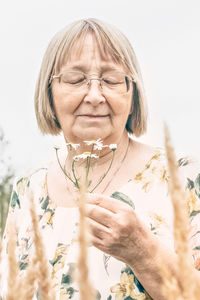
(93, 116)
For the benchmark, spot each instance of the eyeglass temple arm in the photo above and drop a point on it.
(52, 77)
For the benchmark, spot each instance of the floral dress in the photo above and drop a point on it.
(147, 193)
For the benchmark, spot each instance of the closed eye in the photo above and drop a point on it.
(76, 81)
(73, 78)
(112, 81)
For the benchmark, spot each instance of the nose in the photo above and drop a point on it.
(94, 94)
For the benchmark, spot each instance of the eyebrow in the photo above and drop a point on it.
(77, 66)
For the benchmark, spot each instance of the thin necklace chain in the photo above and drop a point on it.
(118, 168)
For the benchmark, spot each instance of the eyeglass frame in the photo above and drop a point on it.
(89, 78)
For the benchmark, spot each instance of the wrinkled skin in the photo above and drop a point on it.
(115, 228)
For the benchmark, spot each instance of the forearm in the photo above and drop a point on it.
(147, 268)
(153, 259)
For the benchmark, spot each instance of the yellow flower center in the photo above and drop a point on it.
(87, 153)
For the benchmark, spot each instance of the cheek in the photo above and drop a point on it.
(121, 106)
(64, 103)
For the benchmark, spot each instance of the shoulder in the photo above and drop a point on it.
(34, 179)
(156, 157)
(140, 148)
(146, 155)
(155, 167)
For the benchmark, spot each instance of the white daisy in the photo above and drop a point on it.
(98, 145)
(71, 145)
(56, 148)
(89, 143)
(94, 156)
(113, 147)
(85, 155)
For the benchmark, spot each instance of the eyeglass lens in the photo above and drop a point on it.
(77, 82)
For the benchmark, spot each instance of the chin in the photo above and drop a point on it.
(92, 134)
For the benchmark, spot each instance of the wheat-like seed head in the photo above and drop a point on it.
(12, 292)
(30, 280)
(44, 282)
(182, 286)
(85, 287)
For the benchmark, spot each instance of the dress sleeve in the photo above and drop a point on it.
(13, 212)
(192, 176)
(17, 217)
(194, 208)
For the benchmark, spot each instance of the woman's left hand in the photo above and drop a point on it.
(117, 231)
(115, 228)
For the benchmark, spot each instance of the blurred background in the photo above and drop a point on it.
(166, 39)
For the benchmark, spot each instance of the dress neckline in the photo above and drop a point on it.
(158, 153)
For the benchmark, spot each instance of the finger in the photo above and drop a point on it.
(100, 215)
(114, 205)
(97, 230)
(97, 242)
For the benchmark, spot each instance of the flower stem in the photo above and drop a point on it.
(88, 163)
(73, 171)
(66, 174)
(104, 175)
(88, 166)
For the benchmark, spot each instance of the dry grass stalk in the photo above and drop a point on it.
(85, 287)
(182, 287)
(170, 288)
(29, 282)
(13, 292)
(44, 282)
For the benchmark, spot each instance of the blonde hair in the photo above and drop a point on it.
(110, 42)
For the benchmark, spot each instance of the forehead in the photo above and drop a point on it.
(87, 50)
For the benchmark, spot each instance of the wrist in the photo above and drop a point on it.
(143, 248)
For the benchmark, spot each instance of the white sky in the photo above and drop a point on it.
(166, 39)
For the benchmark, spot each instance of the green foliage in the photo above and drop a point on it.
(6, 178)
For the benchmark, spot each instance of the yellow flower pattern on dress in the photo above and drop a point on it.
(22, 184)
(58, 263)
(113, 283)
(193, 204)
(64, 295)
(155, 171)
(156, 222)
(126, 288)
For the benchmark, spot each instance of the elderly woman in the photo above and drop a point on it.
(90, 89)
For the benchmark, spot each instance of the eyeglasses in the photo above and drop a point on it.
(78, 82)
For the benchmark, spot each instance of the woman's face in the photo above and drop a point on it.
(91, 115)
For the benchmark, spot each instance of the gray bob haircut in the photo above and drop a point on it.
(110, 42)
